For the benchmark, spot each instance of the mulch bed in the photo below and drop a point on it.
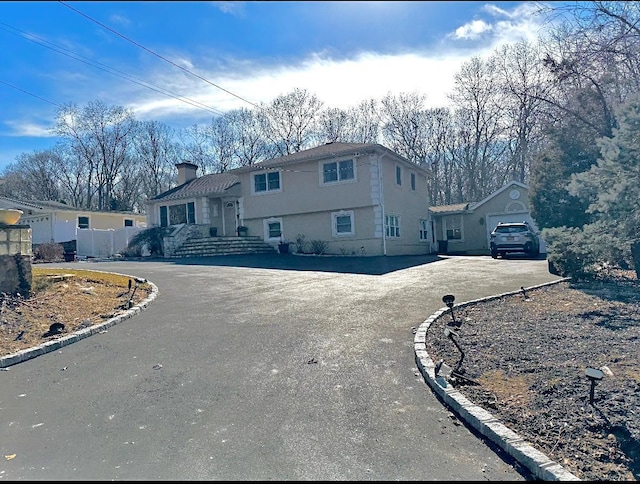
(528, 354)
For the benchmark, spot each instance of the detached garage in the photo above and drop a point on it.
(464, 228)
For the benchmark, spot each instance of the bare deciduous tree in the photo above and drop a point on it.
(102, 136)
(289, 121)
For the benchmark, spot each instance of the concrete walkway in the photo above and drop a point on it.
(258, 368)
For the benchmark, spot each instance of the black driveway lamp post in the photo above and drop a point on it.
(594, 375)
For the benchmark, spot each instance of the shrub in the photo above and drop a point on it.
(300, 244)
(587, 254)
(318, 247)
(48, 252)
(151, 238)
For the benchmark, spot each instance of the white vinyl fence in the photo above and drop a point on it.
(104, 242)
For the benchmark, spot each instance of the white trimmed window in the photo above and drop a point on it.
(452, 226)
(392, 225)
(338, 172)
(272, 229)
(266, 182)
(83, 222)
(424, 230)
(398, 175)
(413, 182)
(342, 223)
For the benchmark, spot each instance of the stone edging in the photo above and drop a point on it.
(27, 354)
(478, 418)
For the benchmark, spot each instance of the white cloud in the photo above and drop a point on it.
(472, 30)
(119, 20)
(341, 84)
(500, 27)
(232, 8)
(19, 128)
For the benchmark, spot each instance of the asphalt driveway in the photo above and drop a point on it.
(257, 368)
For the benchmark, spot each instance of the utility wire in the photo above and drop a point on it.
(158, 55)
(106, 68)
(29, 93)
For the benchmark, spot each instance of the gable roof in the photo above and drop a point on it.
(218, 183)
(510, 184)
(471, 206)
(325, 151)
(50, 205)
(206, 184)
(446, 209)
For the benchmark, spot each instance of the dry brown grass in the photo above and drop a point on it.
(76, 298)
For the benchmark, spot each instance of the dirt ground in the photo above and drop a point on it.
(526, 356)
(76, 299)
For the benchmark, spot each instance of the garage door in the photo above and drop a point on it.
(492, 221)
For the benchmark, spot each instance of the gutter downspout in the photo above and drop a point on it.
(384, 232)
(53, 226)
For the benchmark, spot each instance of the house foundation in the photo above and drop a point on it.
(15, 259)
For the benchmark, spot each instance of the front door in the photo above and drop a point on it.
(229, 217)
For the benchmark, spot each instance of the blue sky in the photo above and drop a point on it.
(225, 55)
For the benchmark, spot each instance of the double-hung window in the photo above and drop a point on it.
(266, 182)
(398, 175)
(342, 223)
(273, 228)
(424, 230)
(392, 225)
(338, 171)
(453, 227)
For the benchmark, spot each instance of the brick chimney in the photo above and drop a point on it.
(186, 172)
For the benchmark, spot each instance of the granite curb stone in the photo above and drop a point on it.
(540, 465)
(27, 354)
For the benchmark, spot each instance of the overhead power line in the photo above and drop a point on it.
(29, 93)
(106, 68)
(158, 55)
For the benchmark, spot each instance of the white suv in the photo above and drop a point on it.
(514, 237)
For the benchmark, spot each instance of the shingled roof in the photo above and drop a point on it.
(45, 205)
(204, 185)
(456, 207)
(327, 150)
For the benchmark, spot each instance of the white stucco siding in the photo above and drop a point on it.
(319, 226)
(409, 205)
(302, 192)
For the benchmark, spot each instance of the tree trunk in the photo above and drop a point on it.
(635, 254)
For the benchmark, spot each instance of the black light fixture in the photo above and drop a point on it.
(451, 334)
(594, 375)
(448, 300)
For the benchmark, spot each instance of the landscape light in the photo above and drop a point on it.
(448, 300)
(449, 333)
(594, 375)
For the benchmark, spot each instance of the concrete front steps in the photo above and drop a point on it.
(227, 245)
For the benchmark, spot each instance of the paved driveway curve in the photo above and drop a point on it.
(272, 368)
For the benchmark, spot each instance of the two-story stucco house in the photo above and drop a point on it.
(359, 198)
